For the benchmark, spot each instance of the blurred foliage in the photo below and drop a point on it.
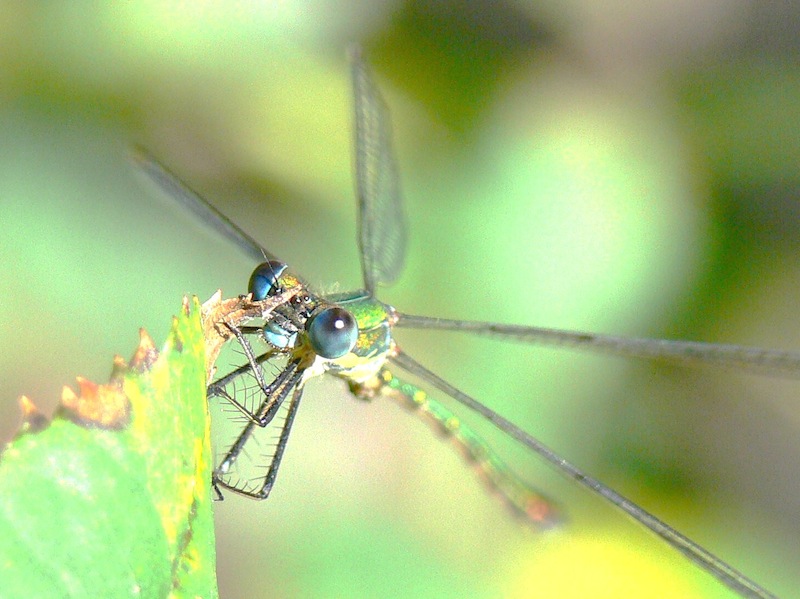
(601, 166)
(111, 498)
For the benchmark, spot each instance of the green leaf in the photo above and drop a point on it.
(112, 497)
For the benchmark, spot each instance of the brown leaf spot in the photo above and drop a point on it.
(186, 306)
(177, 339)
(101, 406)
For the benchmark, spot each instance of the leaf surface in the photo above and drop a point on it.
(112, 497)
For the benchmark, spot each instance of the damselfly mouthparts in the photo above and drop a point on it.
(350, 335)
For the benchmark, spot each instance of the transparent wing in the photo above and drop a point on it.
(382, 225)
(752, 359)
(179, 191)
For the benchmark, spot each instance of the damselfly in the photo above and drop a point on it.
(350, 335)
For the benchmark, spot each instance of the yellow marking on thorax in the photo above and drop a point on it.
(349, 367)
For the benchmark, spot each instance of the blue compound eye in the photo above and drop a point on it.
(332, 332)
(264, 280)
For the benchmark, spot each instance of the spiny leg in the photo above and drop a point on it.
(274, 395)
(217, 388)
(260, 419)
(262, 492)
(516, 493)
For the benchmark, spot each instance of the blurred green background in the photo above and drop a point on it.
(599, 166)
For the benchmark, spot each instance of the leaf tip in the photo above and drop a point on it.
(27, 406)
(193, 303)
(118, 371)
(32, 419)
(216, 298)
(146, 353)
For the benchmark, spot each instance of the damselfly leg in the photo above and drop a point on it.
(287, 383)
